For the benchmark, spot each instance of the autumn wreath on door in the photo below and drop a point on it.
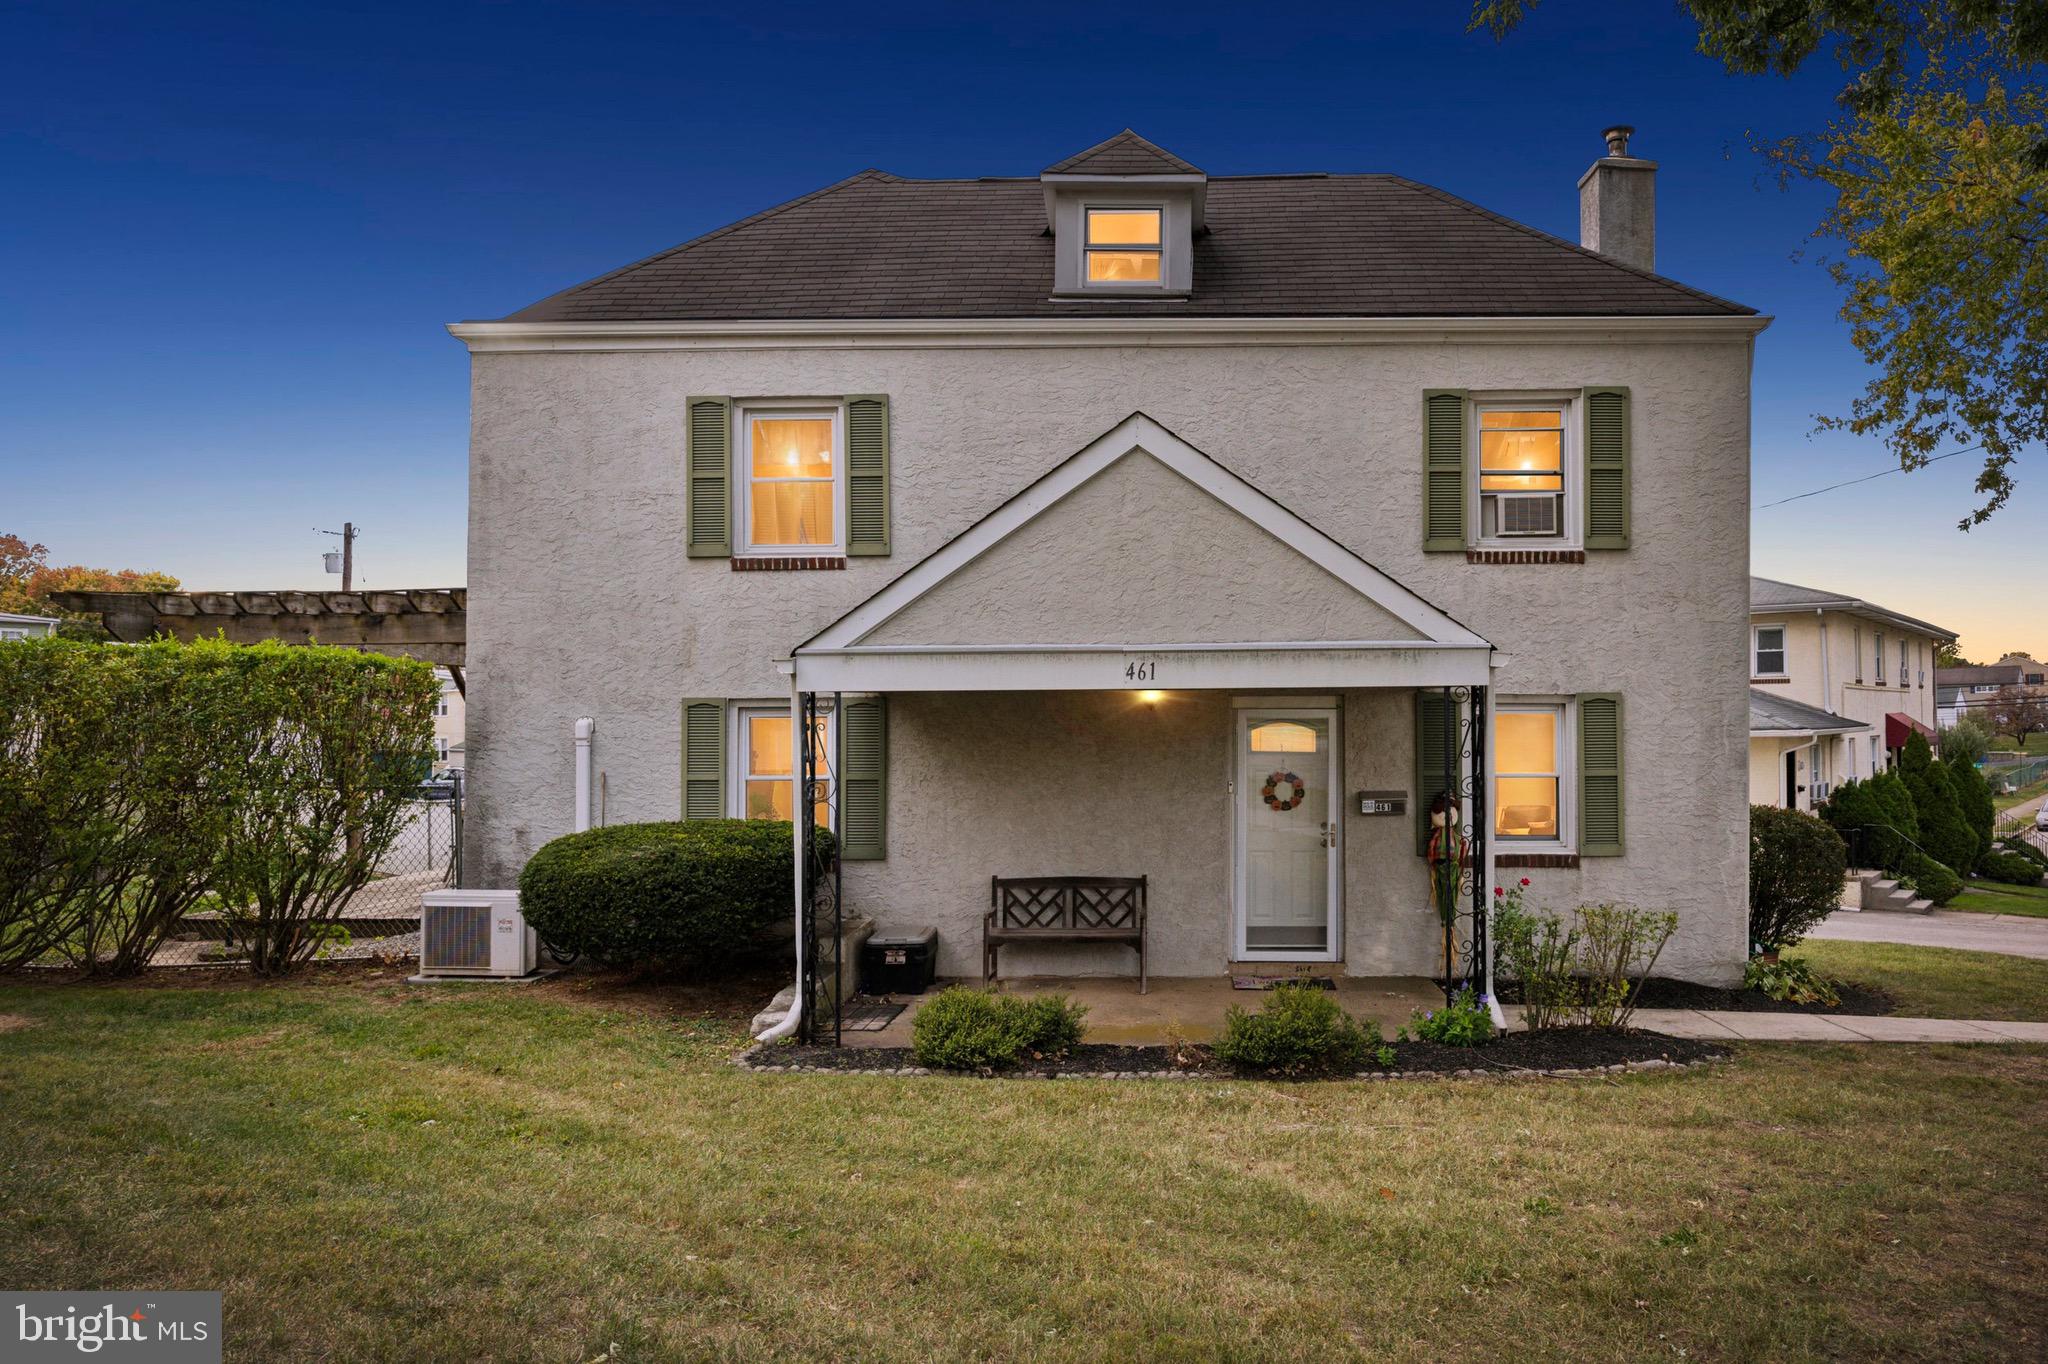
(1270, 793)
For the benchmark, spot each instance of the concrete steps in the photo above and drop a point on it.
(1877, 891)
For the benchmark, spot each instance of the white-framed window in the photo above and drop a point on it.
(441, 705)
(13, 634)
(1533, 773)
(1123, 246)
(1880, 658)
(1859, 655)
(765, 769)
(1855, 772)
(440, 750)
(1905, 666)
(1525, 487)
(1768, 651)
(792, 466)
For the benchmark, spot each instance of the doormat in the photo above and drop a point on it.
(1268, 982)
(867, 1015)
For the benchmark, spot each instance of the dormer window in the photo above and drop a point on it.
(1124, 216)
(1124, 245)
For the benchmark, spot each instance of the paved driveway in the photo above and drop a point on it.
(2013, 934)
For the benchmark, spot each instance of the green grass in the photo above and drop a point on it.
(2001, 804)
(1993, 897)
(377, 1171)
(1939, 982)
(2004, 743)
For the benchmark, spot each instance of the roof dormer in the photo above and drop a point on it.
(1123, 216)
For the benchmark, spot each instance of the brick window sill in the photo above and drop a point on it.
(1525, 556)
(785, 563)
(1553, 861)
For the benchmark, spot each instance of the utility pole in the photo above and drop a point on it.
(347, 534)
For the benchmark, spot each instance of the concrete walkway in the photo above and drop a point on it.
(1730, 1025)
(2013, 934)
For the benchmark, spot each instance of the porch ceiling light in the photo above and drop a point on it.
(1151, 697)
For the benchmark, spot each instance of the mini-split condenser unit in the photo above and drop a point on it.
(475, 933)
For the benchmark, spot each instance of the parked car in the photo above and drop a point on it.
(2041, 816)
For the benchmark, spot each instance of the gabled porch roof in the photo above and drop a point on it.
(1139, 561)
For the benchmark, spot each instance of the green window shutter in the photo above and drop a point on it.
(703, 759)
(1443, 469)
(1607, 471)
(1436, 736)
(1600, 784)
(864, 779)
(867, 473)
(707, 472)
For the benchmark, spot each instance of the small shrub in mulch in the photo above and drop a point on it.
(1556, 1049)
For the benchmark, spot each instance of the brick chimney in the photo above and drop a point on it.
(1618, 204)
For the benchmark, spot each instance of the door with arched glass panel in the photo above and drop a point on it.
(1289, 824)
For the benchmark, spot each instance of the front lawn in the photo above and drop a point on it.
(1938, 982)
(375, 1171)
(1993, 897)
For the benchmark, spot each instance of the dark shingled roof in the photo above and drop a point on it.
(879, 246)
(1769, 713)
(1124, 154)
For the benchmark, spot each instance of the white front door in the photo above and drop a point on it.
(1289, 823)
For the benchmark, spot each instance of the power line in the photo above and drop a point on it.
(1895, 469)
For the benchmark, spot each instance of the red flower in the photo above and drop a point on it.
(1525, 880)
(1500, 890)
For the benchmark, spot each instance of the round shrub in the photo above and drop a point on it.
(1796, 868)
(689, 893)
(960, 1028)
(1931, 880)
(2013, 869)
(2024, 849)
(1299, 1030)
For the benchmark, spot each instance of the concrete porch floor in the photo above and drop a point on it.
(1187, 1007)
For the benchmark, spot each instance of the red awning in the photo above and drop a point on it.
(1899, 726)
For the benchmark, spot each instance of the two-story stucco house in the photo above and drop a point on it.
(1837, 684)
(1126, 520)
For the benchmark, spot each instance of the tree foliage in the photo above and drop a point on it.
(1967, 740)
(27, 579)
(2019, 711)
(1796, 868)
(1939, 172)
(1944, 834)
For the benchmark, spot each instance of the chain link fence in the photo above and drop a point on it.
(380, 922)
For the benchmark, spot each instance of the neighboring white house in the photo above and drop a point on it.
(1127, 520)
(449, 718)
(1973, 689)
(13, 626)
(1836, 686)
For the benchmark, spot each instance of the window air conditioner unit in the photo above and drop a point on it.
(1527, 513)
(475, 933)
(1821, 789)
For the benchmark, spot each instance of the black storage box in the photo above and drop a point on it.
(900, 963)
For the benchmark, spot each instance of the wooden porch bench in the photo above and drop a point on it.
(1106, 909)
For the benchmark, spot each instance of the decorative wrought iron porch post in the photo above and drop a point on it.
(821, 898)
(1458, 856)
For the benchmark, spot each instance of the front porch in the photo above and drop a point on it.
(1143, 667)
(1176, 1009)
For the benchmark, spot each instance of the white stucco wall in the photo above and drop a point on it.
(582, 602)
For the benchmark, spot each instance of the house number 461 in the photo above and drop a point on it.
(1147, 671)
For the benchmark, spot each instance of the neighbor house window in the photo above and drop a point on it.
(1522, 471)
(1123, 245)
(1880, 658)
(1859, 653)
(441, 750)
(794, 471)
(1905, 668)
(1529, 773)
(766, 769)
(1770, 651)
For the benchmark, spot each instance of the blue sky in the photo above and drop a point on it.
(233, 232)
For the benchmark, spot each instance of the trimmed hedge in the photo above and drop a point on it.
(2012, 869)
(1945, 835)
(1298, 1030)
(1796, 869)
(961, 1028)
(1931, 879)
(688, 893)
(1973, 802)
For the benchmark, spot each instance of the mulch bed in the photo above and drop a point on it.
(1859, 1000)
(1580, 1050)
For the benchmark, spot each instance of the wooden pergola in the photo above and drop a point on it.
(426, 623)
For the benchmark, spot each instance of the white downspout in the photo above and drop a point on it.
(797, 810)
(585, 727)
